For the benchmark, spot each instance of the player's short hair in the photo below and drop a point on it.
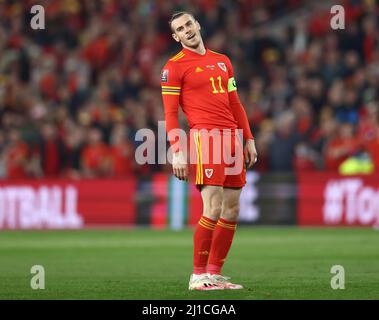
(177, 15)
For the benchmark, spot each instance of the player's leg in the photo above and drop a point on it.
(212, 197)
(212, 206)
(224, 230)
(209, 180)
(223, 236)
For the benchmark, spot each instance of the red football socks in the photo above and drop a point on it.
(221, 242)
(202, 240)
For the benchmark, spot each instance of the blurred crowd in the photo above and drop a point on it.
(72, 96)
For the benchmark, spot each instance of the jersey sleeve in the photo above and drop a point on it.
(238, 110)
(171, 88)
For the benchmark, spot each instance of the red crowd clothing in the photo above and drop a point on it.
(95, 156)
(373, 149)
(16, 159)
(52, 162)
(121, 160)
(347, 147)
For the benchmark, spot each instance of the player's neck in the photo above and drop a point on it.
(199, 50)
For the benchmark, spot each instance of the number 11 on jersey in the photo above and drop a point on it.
(219, 83)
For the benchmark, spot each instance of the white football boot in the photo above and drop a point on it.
(203, 282)
(224, 282)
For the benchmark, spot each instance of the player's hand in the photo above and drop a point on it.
(179, 166)
(250, 153)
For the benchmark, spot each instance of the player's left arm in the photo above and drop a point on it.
(250, 152)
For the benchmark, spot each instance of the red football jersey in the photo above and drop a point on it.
(205, 88)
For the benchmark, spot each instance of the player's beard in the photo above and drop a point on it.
(195, 44)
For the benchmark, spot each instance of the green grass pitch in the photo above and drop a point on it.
(272, 263)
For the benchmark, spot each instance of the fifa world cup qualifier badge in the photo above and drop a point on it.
(164, 75)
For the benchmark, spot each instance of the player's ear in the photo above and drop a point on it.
(176, 38)
(198, 25)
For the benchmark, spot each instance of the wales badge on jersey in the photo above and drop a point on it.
(222, 66)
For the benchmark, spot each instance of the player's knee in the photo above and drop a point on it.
(213, 212)
(230, 212)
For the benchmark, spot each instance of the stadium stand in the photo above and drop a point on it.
(73, 96)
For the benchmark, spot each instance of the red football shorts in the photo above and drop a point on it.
(216, 158)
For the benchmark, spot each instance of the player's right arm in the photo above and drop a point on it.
(171, 89)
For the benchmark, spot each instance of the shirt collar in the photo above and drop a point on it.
(189, 52)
